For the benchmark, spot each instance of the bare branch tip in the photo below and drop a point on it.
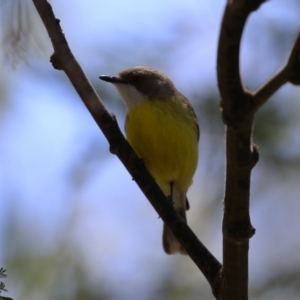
(248, 5)
(239, 231)
(113, 116)
(255, 155)
(255, 4)
(294, 76)
(55, 62)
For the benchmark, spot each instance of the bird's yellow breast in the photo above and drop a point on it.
(164, 134)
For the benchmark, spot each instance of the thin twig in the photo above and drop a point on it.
(290, 73)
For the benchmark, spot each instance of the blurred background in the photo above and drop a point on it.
(73, 224)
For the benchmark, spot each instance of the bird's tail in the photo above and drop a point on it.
(170, 243)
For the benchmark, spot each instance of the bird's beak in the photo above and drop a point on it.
(111, 79)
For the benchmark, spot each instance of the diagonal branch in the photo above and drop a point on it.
(290, 73)
(262, 95)
(205, 261)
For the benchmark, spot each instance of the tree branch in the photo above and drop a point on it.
(262, 95)
(238, 113)
(238, 109)
(205, 261)
(290, 73)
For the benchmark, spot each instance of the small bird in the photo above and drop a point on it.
(162, 128)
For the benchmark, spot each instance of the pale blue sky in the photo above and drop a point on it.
(46, 131)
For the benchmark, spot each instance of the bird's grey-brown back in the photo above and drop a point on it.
(149, 82)
(140, 84)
